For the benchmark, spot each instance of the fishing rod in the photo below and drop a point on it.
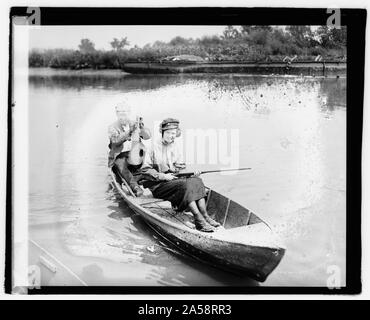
(189, 174)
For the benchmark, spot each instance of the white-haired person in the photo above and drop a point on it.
(161, 162)
(119, 134)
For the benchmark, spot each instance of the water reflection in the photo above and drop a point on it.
(332, 91)
(124, 82)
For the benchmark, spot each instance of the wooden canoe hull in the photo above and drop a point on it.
(254, 257)
(254, 262)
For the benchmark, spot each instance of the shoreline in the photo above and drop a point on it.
(47, 71)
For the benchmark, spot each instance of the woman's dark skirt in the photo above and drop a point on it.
(180, 192)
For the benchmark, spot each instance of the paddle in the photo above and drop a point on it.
(189, 174)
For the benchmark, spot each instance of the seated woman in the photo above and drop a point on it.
(160, 164)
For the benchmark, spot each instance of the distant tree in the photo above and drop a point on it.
(249, 29)
(210, 40)
(331, 37)
(258, 36)
(36, 59)
(281, 35)
(118, 45)
(178, 41)
(230, 33)
(86, 46)
(338, 36)
(302, 36)
(159, 43)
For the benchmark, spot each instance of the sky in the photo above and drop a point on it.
(68, 37)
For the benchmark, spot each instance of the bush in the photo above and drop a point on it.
(250, 43)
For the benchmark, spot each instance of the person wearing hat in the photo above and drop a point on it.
(119, 134)
(160, 163)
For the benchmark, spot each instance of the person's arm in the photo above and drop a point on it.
(157, 176)
(144, 131)
(148, 170)
(116, 137)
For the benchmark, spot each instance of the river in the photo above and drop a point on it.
(290, 130)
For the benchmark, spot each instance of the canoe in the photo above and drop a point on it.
(244, 245)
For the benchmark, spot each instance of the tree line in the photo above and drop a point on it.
(244, 43)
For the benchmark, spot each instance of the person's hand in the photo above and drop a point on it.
(141, 123)
(167, 176)
(134, 126)
(180, 166)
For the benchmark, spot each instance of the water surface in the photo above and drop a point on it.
(291, 132)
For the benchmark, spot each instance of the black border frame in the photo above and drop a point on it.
(354, 19)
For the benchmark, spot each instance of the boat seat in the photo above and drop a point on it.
(148, 198)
